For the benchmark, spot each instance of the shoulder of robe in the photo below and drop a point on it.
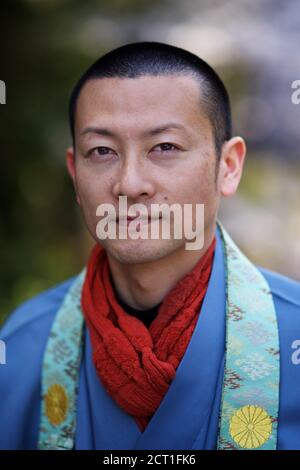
(283, 287)
(286, 296)
(25, 335)
(35, 310)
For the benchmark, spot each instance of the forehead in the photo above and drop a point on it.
(139, 102)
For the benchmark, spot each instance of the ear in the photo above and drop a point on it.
(70, 161)
(231, 165)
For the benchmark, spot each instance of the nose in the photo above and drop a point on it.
(133, 180)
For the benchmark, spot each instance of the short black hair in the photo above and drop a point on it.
(156, 59)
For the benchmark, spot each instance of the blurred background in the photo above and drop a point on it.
(45, 47)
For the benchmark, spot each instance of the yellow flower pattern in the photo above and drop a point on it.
(56, 404)
(250, 427)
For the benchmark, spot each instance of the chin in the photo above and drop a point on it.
(140, 251)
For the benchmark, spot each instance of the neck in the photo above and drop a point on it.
(144, 285)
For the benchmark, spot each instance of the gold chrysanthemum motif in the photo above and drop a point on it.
(250, 427)
(56, 403)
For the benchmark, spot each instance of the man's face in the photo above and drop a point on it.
(148, 139)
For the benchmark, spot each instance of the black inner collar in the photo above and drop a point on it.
(145, 316)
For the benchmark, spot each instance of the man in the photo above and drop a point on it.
(154, 346)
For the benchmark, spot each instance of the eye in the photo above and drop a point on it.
(100, 152)
(165, 147)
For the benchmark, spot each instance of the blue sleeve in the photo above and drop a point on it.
(25, 335)
(286, 296)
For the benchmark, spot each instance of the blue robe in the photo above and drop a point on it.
(187, 417)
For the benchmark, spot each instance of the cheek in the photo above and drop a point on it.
(197, 183)
(91, 192)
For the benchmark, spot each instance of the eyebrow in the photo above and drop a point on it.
(156, 130)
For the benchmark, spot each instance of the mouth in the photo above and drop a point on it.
(125, 220)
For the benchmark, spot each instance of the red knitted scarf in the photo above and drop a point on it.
(136, 364)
